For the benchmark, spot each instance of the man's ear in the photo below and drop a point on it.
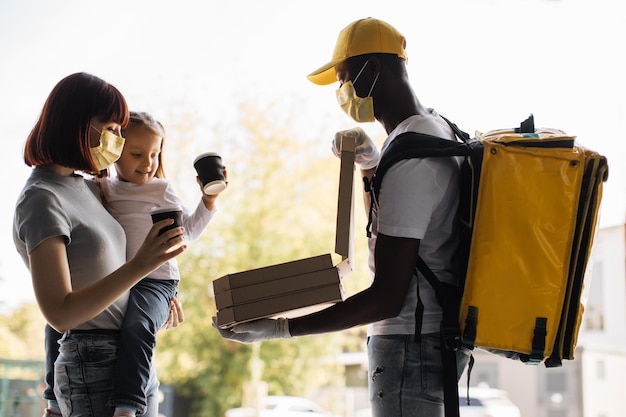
(375, 66)
(375, 70)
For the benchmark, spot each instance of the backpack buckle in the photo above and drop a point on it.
(451, 338)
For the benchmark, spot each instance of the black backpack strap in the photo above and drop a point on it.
(411, 145)
(419, 313)
(460, 134)
(449, 297)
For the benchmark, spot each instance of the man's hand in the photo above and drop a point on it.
(366, 153)
(255, 331)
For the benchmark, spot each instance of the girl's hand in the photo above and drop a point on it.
(209, 200)
(176, 317)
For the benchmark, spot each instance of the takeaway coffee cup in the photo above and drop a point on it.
(211, 172)
(167, 212)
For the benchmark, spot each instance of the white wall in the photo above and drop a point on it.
(609, 275)
(603, 371)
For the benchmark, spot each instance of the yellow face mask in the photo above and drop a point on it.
(108, 151)
(360, 109)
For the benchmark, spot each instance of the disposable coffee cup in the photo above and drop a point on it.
(211, 172)
(167, 212)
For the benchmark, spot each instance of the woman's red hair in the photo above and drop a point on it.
(60, 135)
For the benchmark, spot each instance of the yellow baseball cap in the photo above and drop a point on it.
(364, 36)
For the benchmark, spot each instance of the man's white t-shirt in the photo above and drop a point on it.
(418, 199)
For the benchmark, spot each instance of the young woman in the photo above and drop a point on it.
(75, 250)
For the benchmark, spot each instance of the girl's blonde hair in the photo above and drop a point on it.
(139, 119)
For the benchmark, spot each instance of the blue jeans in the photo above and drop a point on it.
(84, 372)
(147, 311)
(405, 377)
(51, 338)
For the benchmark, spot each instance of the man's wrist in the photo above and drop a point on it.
(368, 173)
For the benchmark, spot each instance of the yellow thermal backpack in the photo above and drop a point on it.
(528, 212)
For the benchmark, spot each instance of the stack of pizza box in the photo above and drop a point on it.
(294, 288)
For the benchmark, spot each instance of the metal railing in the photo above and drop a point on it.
(21, 388)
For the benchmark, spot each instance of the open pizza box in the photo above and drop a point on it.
(298, 287)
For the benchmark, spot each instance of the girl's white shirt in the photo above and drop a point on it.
(131, 203)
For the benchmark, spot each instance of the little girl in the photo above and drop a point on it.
(139, 186)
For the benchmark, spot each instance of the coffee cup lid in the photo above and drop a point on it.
(204, 155)
(165, 209)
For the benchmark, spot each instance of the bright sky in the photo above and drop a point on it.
(486, 64)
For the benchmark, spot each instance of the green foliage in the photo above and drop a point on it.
(280, 205)
(22, 333)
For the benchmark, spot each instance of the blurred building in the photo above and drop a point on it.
(21, 388)
(588, 386)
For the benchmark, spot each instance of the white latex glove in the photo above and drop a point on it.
(255, 331)
(366, 154)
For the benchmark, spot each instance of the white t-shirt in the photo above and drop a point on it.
(131, 203)
(418, 199)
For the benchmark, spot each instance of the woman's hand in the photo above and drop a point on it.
(158, 249)
(65, 308)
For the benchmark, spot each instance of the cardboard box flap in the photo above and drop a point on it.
(345, 200)
(266, 299)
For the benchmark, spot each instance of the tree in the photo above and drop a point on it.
(22, 333)
(280, 206)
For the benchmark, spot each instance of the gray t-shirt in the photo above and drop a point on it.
(55, 205)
